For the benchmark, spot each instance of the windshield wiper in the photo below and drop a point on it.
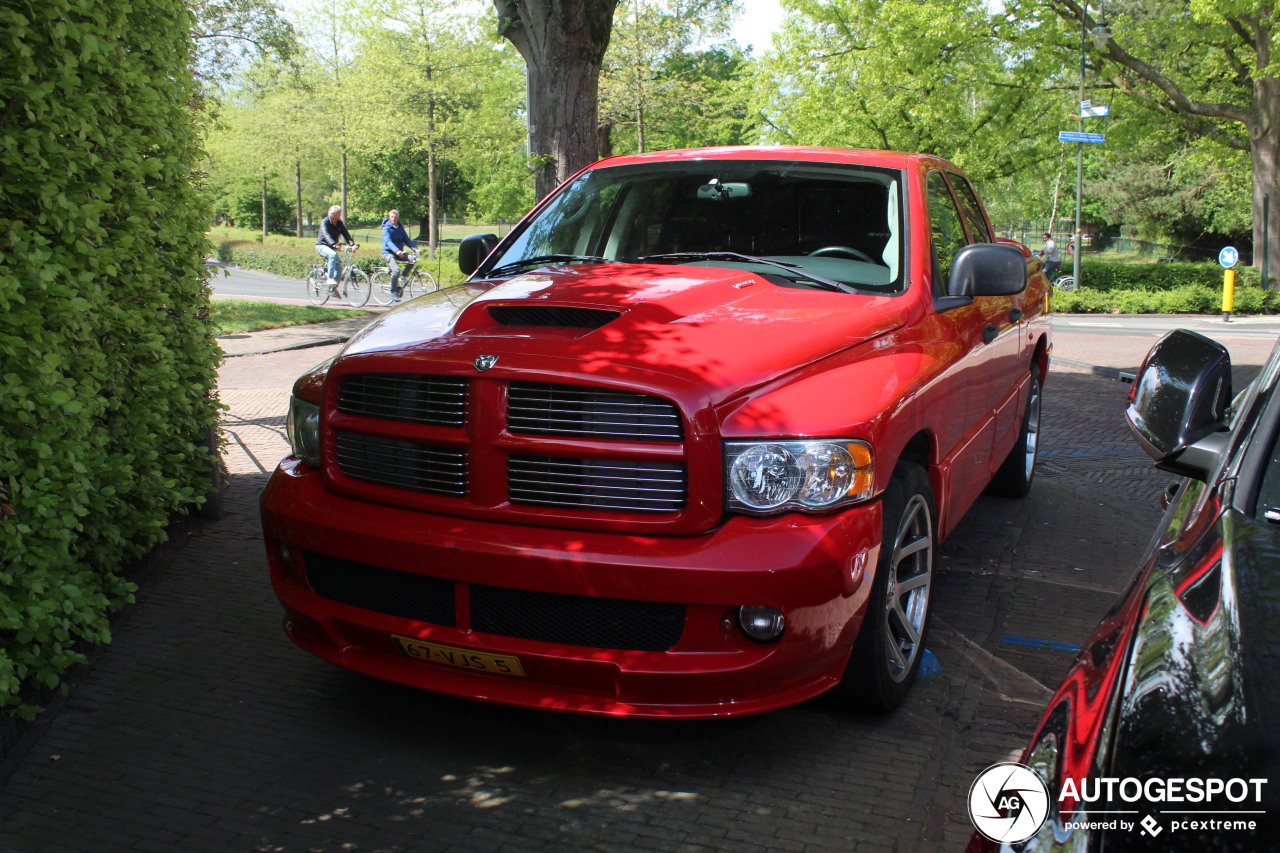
(516, 266)
(826, 283)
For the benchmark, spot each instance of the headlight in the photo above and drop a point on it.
(776, 476)
(304, 430)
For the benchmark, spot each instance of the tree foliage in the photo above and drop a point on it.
(106, 363)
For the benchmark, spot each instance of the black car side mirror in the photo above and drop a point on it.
(988, 269)
(1177, 407)
(473, 250)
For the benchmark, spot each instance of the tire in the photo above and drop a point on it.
(890, 644)
(1013, 478)
(427, 282)
(1066, 284)
(357, 289)
(317, 290)
(380, 284)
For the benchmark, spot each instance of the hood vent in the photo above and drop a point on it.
(551, 315)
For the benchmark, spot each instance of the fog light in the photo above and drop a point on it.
(286, 555)
(760, 623)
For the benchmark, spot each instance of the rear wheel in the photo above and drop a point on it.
(890, 643)
(317, 290)
(381, 287)
(1013, 479)
(357, 291)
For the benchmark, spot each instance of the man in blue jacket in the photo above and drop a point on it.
(395, 249)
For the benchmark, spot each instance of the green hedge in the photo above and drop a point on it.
(106, 362)
(1105, 276)
(1188, 299)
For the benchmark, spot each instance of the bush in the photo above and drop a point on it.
(106, 362)
(1105, 276)
(1188, 299)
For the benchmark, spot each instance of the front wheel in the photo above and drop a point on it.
(890, 644)
(357, 290)
(1066, 284)
(426, 282)
(380, 284)
(1013, 479)
(317, 289)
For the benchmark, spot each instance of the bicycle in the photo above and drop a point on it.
(410, 274)
(353, 287)
(1065, 283)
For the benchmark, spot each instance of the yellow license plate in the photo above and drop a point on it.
(464, 658)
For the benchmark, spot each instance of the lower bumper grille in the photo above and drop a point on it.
(573, 620)
(402, 594)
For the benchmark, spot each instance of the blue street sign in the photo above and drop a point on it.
(1228, 257)
(1072, 136)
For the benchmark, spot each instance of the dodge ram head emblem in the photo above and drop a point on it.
(484, 362)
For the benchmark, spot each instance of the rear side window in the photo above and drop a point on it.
(944, 227)
(972, 210)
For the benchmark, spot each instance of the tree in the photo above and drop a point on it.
(230, 33)
(658, 84)
(563, 43)
(929, 76)
(1212, 64)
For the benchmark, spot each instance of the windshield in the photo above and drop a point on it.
(831, 222)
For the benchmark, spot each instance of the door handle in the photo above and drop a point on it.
(1015, 315)
(989, 334)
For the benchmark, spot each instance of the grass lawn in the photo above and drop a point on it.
(231, 316)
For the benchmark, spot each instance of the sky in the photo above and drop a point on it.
(758, 24)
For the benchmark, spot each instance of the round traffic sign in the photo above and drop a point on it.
(1228, 257)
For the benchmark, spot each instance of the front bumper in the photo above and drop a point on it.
(816, 569)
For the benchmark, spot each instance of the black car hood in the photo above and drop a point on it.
(1201, 697)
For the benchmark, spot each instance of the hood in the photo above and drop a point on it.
(723, 328)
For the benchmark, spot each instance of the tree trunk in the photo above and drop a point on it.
(1264, 150)
(563, 44)
(297, 187)
(433, 217)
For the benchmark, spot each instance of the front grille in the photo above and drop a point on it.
(403, 464)
(626, 485)
(538, 408)
(560, 317)
(402, 594)
(436, 400)
(576, 620)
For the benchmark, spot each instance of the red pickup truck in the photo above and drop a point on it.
(683, 444)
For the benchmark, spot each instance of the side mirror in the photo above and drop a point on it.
(473, 251)
(1177, 406)
(988, 269)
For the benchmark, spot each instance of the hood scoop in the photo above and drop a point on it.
(497, 319)
(555, 316)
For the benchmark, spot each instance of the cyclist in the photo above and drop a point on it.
(395, 248)
(331, 228)
(1052, 256)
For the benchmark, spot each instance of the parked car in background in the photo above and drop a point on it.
(683, 445)
(1165, 734)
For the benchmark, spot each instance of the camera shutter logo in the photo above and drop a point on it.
(1008, 802)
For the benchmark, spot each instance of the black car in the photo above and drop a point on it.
(1165, 734)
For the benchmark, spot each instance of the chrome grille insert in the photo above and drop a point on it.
(619, 485)
(403, 464)
(537, 408)
(435, 400)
